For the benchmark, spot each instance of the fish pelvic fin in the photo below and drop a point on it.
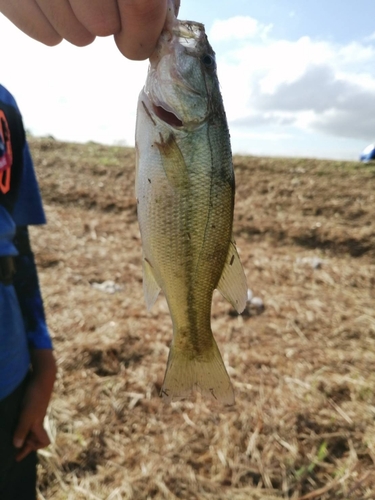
(205, 373)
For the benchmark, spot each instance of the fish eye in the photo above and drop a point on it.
(208, 61)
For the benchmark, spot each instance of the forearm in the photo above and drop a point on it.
(43, 375)
(44, 366)
(30, 434)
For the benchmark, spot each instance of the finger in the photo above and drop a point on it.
(36, 440)
(29, 18)
(60, 14)
(40, 437)
(176, 4)
(100, 17)
(141, 24)
(22, 430)
(25, 450)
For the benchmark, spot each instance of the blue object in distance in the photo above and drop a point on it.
(368, 154)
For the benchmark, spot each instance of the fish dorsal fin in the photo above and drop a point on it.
(151, 288)
(232, 284)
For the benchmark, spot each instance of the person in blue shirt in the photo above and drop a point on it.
(27, 364)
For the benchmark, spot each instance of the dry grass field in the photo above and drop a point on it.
(303, 368)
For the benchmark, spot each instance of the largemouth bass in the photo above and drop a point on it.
(185, 194)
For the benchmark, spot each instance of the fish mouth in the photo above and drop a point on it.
(167, 116)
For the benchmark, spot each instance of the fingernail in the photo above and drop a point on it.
(18, 443)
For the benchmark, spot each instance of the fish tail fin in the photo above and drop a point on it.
(205, 372)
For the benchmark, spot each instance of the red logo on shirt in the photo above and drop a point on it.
(6, 156)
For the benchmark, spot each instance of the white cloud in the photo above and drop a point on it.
(308, 85)
(238, 28)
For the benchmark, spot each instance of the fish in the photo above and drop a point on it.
(185, 190)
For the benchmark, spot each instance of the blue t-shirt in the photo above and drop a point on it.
(22, 321)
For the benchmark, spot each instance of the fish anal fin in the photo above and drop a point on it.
(151, 288)
(232, 284)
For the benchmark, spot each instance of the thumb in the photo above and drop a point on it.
(22, 430)
(176, 4)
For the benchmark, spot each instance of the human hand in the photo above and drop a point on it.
(30, 434)
(135, 24)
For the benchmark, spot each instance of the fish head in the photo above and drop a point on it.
(182, 83)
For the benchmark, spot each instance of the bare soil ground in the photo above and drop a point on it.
(302, 368)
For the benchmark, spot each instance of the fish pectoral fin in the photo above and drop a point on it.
(232, 284)
(151, 288)
(173, 162)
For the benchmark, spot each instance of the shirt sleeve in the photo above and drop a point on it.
(26, 284)
(23, 200)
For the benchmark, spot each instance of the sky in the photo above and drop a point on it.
(297, 78)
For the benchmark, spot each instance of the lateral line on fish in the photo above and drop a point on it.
(192, 312)
(211, 180)
(209, 210)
